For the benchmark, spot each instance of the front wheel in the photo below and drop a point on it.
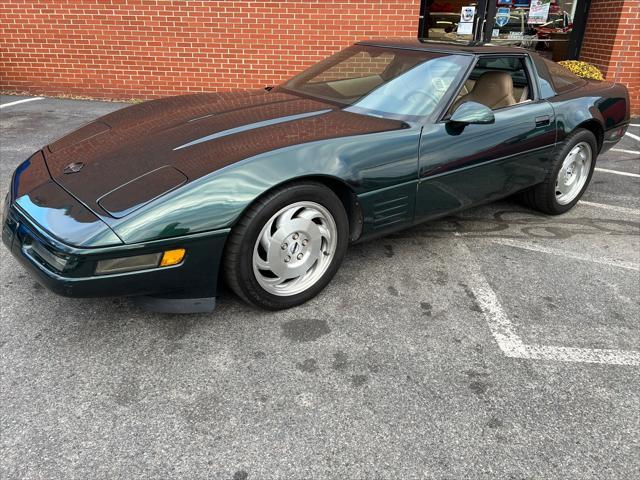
(569, 176)
(287, 246)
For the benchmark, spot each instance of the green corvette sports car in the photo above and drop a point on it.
(264, 190)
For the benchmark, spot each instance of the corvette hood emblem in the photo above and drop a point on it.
(74, 167)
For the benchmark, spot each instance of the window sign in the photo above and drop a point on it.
(467, 14)
(502, 16)
(539, 11)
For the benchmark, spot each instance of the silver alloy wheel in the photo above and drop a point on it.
(574, 173)
(294, 248)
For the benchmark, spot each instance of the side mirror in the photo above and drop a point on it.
(472, 113)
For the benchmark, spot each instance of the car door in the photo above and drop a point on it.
(461, 167)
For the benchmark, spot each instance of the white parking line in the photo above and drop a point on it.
(616, 172)
(10, 104)
(634, 124)
(615, 208)
(633, 152)
(583, 355)
(509, 341)
(563, 253)
(635, 137)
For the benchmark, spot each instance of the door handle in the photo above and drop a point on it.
(543, 120)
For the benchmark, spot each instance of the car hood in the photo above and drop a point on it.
(123, 160)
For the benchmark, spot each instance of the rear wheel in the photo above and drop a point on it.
(568, 177)
(287, 246)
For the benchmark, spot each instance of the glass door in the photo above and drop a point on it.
(546, 26)
(450, 20)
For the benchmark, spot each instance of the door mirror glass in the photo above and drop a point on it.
(472, 113)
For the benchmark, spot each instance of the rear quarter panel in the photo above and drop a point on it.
(606, 103)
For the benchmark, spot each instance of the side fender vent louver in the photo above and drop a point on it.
(391, 211)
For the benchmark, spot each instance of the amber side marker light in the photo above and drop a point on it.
(141, 262)
(172, 257)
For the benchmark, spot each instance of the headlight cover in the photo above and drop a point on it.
(56, 261)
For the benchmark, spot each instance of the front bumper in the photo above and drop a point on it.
(196, 277)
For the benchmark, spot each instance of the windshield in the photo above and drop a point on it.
(394, 83)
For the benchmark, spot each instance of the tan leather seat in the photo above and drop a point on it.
(493, 89)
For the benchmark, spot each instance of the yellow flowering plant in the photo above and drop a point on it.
(582, 69)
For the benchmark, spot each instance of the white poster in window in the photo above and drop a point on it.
(539, 11)
(467, 14)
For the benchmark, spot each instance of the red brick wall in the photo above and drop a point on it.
(149, 48)
(612, 42)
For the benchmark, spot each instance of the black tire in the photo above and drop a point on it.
(238, 255)
(542, 197)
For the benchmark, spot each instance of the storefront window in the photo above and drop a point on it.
(442, 20)
(546, 26)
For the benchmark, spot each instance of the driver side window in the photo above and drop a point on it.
(496, 82)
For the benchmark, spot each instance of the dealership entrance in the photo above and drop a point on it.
(552, 28)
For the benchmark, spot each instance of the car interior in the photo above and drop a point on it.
(394, 83)
(496, 82)
(361, 73)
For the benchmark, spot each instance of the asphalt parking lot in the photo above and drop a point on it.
(499, 343)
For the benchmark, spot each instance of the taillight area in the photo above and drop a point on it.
(616, 134)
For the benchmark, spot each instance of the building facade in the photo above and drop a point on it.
(148, 48)
(612, 42)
